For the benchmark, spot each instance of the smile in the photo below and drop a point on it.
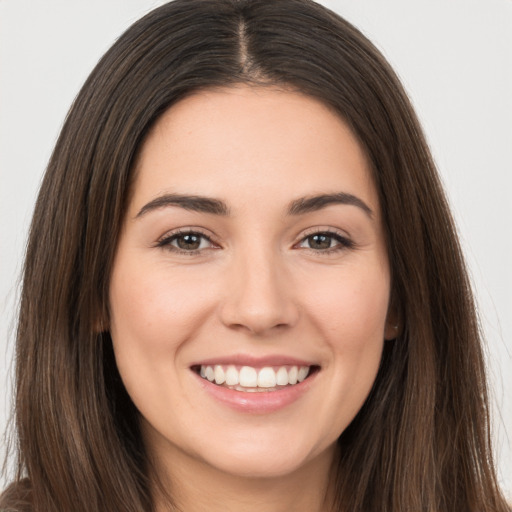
(251, 379)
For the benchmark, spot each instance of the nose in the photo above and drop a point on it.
(259, 296)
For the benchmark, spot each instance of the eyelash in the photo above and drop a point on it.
(166, 242)
(168, 239)
(342, 244)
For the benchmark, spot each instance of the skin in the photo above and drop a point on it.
(257, 286)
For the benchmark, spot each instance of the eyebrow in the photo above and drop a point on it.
(317, 202)
(188, 202)
(214, 206)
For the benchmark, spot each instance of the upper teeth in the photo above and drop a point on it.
(249, 377)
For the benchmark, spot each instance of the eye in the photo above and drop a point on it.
(325, 241)
(186, 242)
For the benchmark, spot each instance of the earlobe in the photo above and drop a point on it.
(100, 327)
(394, 323)
(392, 330)
(101, 323)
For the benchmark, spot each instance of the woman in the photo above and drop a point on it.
(182, 348)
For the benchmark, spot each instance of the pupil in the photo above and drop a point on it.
(320, 242)
(189, 242)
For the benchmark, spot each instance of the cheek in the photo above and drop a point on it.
(153, 314)
(154, 310)
(351, 311)
(351, 315)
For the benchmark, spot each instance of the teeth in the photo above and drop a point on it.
(267, 378)
(250, 379)
(282, 377)
(232, 378)
(220, 377)
(302, 373)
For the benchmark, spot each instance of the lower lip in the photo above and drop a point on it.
(258, 402)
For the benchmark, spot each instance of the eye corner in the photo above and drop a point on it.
(324, 241)
(187, 241)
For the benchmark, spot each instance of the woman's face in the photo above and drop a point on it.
(252, 254)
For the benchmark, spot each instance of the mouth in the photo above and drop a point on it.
(250, 379)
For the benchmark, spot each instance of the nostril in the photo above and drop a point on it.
(258, 303)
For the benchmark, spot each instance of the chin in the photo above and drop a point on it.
(275, 465)
(265, 460)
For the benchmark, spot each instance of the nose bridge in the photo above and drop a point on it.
(258, 297)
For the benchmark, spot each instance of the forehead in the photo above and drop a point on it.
(251, 141)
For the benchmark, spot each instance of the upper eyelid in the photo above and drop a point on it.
(323, 229)
(166, 240)
(211, 237)
(345, 241)
(185, 231)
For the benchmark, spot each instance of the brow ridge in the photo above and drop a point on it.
(319, 201)
(188, 202)
(214, 206)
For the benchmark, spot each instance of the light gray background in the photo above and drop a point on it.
(454, 57)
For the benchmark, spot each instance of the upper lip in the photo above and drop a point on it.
(255, 361)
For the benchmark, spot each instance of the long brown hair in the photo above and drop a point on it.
(420, 442)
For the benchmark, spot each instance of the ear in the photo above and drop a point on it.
(394, 323)
(392, 330)
(100, 327)
(101, 322)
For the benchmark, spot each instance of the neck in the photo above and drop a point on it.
(195, 487)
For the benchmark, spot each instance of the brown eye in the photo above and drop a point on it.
(326, 242)
(320, 241)
(188, 242)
